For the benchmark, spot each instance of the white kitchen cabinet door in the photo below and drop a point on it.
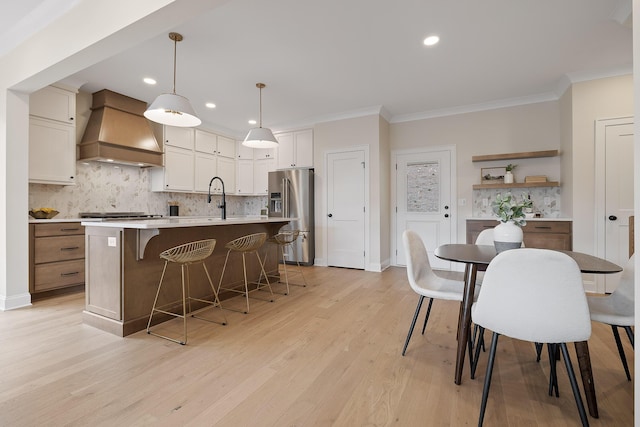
(52, 152)
(264, 153)
(179, 137)
(53, 103)
(206, 142)
(303, 146)
(243, 152)
(206, 168)
(227, 171)
(226, 147)
(285, 151)
(295, 149)
(244, 177)
(178, 169)
(261, 169)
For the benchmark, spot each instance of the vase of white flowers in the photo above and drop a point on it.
(511, 214)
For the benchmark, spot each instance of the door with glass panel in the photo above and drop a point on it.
(423, 202)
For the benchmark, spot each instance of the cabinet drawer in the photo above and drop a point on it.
(58, 229)
(547, 227)
(60, 248)
(58, 274)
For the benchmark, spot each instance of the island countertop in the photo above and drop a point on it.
(178, 222)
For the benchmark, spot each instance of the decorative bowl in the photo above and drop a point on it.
(43, 214)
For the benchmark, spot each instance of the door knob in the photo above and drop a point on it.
(330, 215)
(612, 217)
(446, 207)
(446, 215)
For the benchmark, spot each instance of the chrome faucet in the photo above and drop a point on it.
(223, 205)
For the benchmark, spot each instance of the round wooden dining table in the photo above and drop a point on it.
(474, 256)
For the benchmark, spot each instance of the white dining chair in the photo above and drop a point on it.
(617, 309)
(534, 295)
(424, 281)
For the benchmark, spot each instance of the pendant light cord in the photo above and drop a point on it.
(175, 50)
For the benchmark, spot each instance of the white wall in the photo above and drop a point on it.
(530, 127)
(590, 101)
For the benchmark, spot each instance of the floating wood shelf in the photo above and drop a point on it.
(517, 185)
(512, 156)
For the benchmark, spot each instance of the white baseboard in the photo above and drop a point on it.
(15, 301)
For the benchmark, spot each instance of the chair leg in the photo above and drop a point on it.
(574, 385)
(487, 378)
(478, 346)
(413, 324)
(553, 375)
(155, 301)
(184, 302)
(629, 332)
(426, 317)
(538, 350)
(623, 358)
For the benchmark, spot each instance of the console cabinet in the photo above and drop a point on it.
(56, 257)
(547, 234)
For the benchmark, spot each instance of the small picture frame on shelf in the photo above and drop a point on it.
(492, 175)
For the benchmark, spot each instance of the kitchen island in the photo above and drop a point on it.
(123, 265)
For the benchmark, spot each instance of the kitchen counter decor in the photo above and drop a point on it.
(43, 213)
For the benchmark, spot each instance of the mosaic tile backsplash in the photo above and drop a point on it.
(107, 188)
(538, 195)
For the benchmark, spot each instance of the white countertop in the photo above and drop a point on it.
(181, 221)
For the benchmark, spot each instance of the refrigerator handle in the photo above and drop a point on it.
(285, 197)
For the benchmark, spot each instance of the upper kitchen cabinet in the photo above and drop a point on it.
(192, 158)
(295, 149)
(54, 103)
(52, 136)
(178, 137)
(264, 153)
(243, 152)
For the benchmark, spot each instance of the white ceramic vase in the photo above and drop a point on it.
(508, 177)
(507, 235)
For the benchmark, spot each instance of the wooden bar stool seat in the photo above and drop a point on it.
(185, 255)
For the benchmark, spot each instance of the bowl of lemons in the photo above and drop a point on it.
(43, 213)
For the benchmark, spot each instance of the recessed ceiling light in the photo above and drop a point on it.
(252, 122)
(431, 40)
(149, 81)
(210, 105)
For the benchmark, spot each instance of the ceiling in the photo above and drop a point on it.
(331, 59)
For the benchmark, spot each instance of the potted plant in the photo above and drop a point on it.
(511, 214)
(508, 175)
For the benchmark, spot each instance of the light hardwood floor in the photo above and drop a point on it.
(326, 355)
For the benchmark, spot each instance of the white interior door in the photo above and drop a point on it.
(423, 202)
(615, 146)
(619, 195)
(346, 209)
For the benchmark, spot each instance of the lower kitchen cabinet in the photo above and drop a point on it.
(545, 234)
(56, 258)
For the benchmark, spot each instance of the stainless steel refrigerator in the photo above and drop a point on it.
(291, 195)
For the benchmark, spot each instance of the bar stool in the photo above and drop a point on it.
(284, 240)
(250, 243)
(185, 255)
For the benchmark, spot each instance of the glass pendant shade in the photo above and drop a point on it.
(173, 110)
(260, 138)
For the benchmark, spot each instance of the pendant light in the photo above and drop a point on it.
(170, 108)
(260, 137)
